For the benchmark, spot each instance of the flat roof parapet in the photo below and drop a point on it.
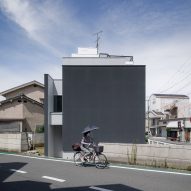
(101, 61)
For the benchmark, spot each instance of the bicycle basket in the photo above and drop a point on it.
(98, 149)
(76, 147)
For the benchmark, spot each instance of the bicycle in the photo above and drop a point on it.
(95, 157)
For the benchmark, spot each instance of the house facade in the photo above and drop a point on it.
(33, 90)
(169, 116)
(106, 92)
(22, 110)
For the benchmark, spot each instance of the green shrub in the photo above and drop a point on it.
(189, 168)
(39, 129)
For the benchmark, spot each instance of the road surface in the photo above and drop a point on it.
(22, 173)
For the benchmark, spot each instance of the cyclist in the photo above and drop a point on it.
(87, 144)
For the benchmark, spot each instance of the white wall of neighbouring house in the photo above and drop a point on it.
(163, 103)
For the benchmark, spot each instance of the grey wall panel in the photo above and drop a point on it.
(48, 107)
(110, 97)
(57, 141)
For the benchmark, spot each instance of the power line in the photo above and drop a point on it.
(177, 71)
(175, 84)
(185, 86)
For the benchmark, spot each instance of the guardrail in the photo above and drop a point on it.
(156, 142)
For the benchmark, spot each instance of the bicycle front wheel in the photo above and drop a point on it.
(77, 158)
(100, 161)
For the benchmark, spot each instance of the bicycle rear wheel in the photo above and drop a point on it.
(100, 161)
(77, 158)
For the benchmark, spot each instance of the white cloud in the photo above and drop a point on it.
(47, 22)
(29, 18)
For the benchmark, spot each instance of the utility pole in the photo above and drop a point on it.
(148, 115)
(148, 110)
(97, 40)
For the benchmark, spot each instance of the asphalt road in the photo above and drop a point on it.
(19, 173)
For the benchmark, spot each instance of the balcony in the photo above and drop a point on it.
(56, 118)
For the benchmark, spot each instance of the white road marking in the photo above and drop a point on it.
(150, 170)
(100, 189)
(19, 171)
(111, 166)
(52, 178)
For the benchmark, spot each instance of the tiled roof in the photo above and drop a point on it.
(157, 112)
(22, 86)
(20, 97)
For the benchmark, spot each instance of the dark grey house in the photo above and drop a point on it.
(107, 92)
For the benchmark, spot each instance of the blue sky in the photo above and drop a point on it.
(36, 34)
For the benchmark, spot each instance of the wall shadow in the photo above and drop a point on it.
(28, 185)
(5, 171)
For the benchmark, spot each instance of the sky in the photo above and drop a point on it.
(36, 34)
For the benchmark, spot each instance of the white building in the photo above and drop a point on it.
(102, 90)
(176, 106)
(169, 116)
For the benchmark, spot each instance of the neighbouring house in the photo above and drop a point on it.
(169, 116)
(154, 120)
(33, 90)
(22, 110)
(102, 90)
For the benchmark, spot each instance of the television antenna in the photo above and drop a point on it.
(98, 39)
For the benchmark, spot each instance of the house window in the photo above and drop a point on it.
(57, 103)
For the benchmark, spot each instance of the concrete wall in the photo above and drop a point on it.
(11, 110)
(178, 156)
(30, 91)
(16, 142)
(38, 138)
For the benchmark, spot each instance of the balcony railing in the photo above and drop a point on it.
(56, 118)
